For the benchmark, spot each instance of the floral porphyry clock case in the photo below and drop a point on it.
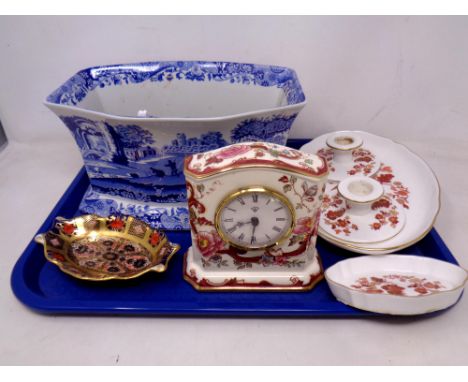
(254, 214)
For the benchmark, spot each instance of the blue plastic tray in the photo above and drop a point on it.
(43, 287)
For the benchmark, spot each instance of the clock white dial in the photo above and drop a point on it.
(254, 218)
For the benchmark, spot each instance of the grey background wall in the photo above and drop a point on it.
(402, 77)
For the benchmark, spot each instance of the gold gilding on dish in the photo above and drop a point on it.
(94, 248)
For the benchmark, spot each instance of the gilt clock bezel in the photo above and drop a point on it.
(260, 189)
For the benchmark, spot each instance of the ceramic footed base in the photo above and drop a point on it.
(302, 277)
(170, 216)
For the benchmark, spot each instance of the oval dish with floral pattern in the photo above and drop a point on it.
(396, 284)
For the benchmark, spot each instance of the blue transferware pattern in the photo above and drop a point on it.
(123, 161)
(132, 168)
(75, 89)
(274, 130)
(174, 217)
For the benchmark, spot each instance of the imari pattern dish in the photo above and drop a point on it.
(135, 123)
(396, 284)
(411, 195)
(254, 210)
(94, 248)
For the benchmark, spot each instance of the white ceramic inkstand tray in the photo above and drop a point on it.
(405, 213)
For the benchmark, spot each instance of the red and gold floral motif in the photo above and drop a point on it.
(97, 248)
(304, 225)
(209, 242)
(327, 154)
(397, 284)
(225, 153)
(56, 256)
(334, 207)
(240, 155)
(116, 225)
(398, 191)
(212, 247)
(363, 161)
(154, 238)
(207, 238)
(342, 225)
(236, 283)
(108, 255)
(68, 229)
(387, 214)
(233, 151)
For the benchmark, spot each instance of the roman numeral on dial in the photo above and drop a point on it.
(232, 229)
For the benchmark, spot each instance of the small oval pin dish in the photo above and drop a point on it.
(396, 284)
(94, 248)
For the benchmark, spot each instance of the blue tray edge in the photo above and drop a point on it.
(19, 288)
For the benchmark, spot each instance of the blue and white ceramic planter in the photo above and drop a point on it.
(135, 123)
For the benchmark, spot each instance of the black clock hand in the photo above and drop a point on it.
(237, 225)
(254, 222)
